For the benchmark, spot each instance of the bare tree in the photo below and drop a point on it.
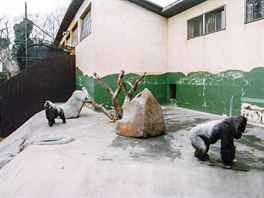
(118, 110)
(129, 94)
(8, 65)
(46, 26)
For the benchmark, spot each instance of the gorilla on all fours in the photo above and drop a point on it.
(52, 111)
(226, 129)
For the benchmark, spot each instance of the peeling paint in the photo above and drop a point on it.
(253, 113)
(202, 90)
(220, 79)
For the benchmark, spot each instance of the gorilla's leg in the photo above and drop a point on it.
(201, 148)
(227, 152)
(62, 116)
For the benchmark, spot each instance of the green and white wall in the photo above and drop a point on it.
(214, 73)
(221, 71)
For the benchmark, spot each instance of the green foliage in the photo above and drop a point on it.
(4, 43)
(3, 75)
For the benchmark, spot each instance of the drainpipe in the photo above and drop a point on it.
(231, 106)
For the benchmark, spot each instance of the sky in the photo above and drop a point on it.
(163, 3)
(15, 8)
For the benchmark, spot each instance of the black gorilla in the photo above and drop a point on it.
(226, 129)
(52, 112)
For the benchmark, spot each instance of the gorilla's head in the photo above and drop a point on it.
(241, 123)
(238, 122)
(48, 104)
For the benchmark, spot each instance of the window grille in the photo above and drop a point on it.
(212, 21)
(254, 10)
(86, 25)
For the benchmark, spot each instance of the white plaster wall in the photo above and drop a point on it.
(240, 46)
(123, 36)
(85, 49)
(127, 37)
(85, 55)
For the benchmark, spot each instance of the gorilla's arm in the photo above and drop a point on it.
(51, 114)
(237, 134)
(227, 144)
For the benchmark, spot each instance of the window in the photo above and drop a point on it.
(215, 21)
(195, 27)
(254, 10)
(207, 23)
(75, 36)
(86, 25)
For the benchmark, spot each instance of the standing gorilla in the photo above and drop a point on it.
(226, 129)
(52, 112)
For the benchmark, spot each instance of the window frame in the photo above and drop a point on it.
(202, 29)
(204, 22)
(68, 39)
(85, 13)
(217, 10)
(245, 15)
(75, 28)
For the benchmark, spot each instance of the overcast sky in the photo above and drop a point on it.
(163, 3)
(17, 7)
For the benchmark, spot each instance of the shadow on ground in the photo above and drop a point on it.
(172, 146)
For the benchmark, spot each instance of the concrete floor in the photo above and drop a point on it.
(98, 163)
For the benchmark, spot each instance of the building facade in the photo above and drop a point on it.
(202, 55)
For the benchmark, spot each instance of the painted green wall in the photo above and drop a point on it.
(157, 84)
(202, 91)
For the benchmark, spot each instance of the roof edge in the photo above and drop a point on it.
(171, 10)
(180, 6)
(149, 6)
(68, 17)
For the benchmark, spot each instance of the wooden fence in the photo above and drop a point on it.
(21, 97)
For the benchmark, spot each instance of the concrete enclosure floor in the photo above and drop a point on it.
(99, 163)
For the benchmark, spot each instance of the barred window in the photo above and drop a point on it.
(207, 23)
(75, 36)
(215, 20)
(86, 25)
(195, 27)
(254, 10)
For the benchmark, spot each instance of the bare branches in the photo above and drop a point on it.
(101, 107)
(129, 94)
(108, 89)
(118, 111)
(134, 88)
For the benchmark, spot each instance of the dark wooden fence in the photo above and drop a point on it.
(25, 94)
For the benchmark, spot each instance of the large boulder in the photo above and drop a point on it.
(74, 104)
(142, 117)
